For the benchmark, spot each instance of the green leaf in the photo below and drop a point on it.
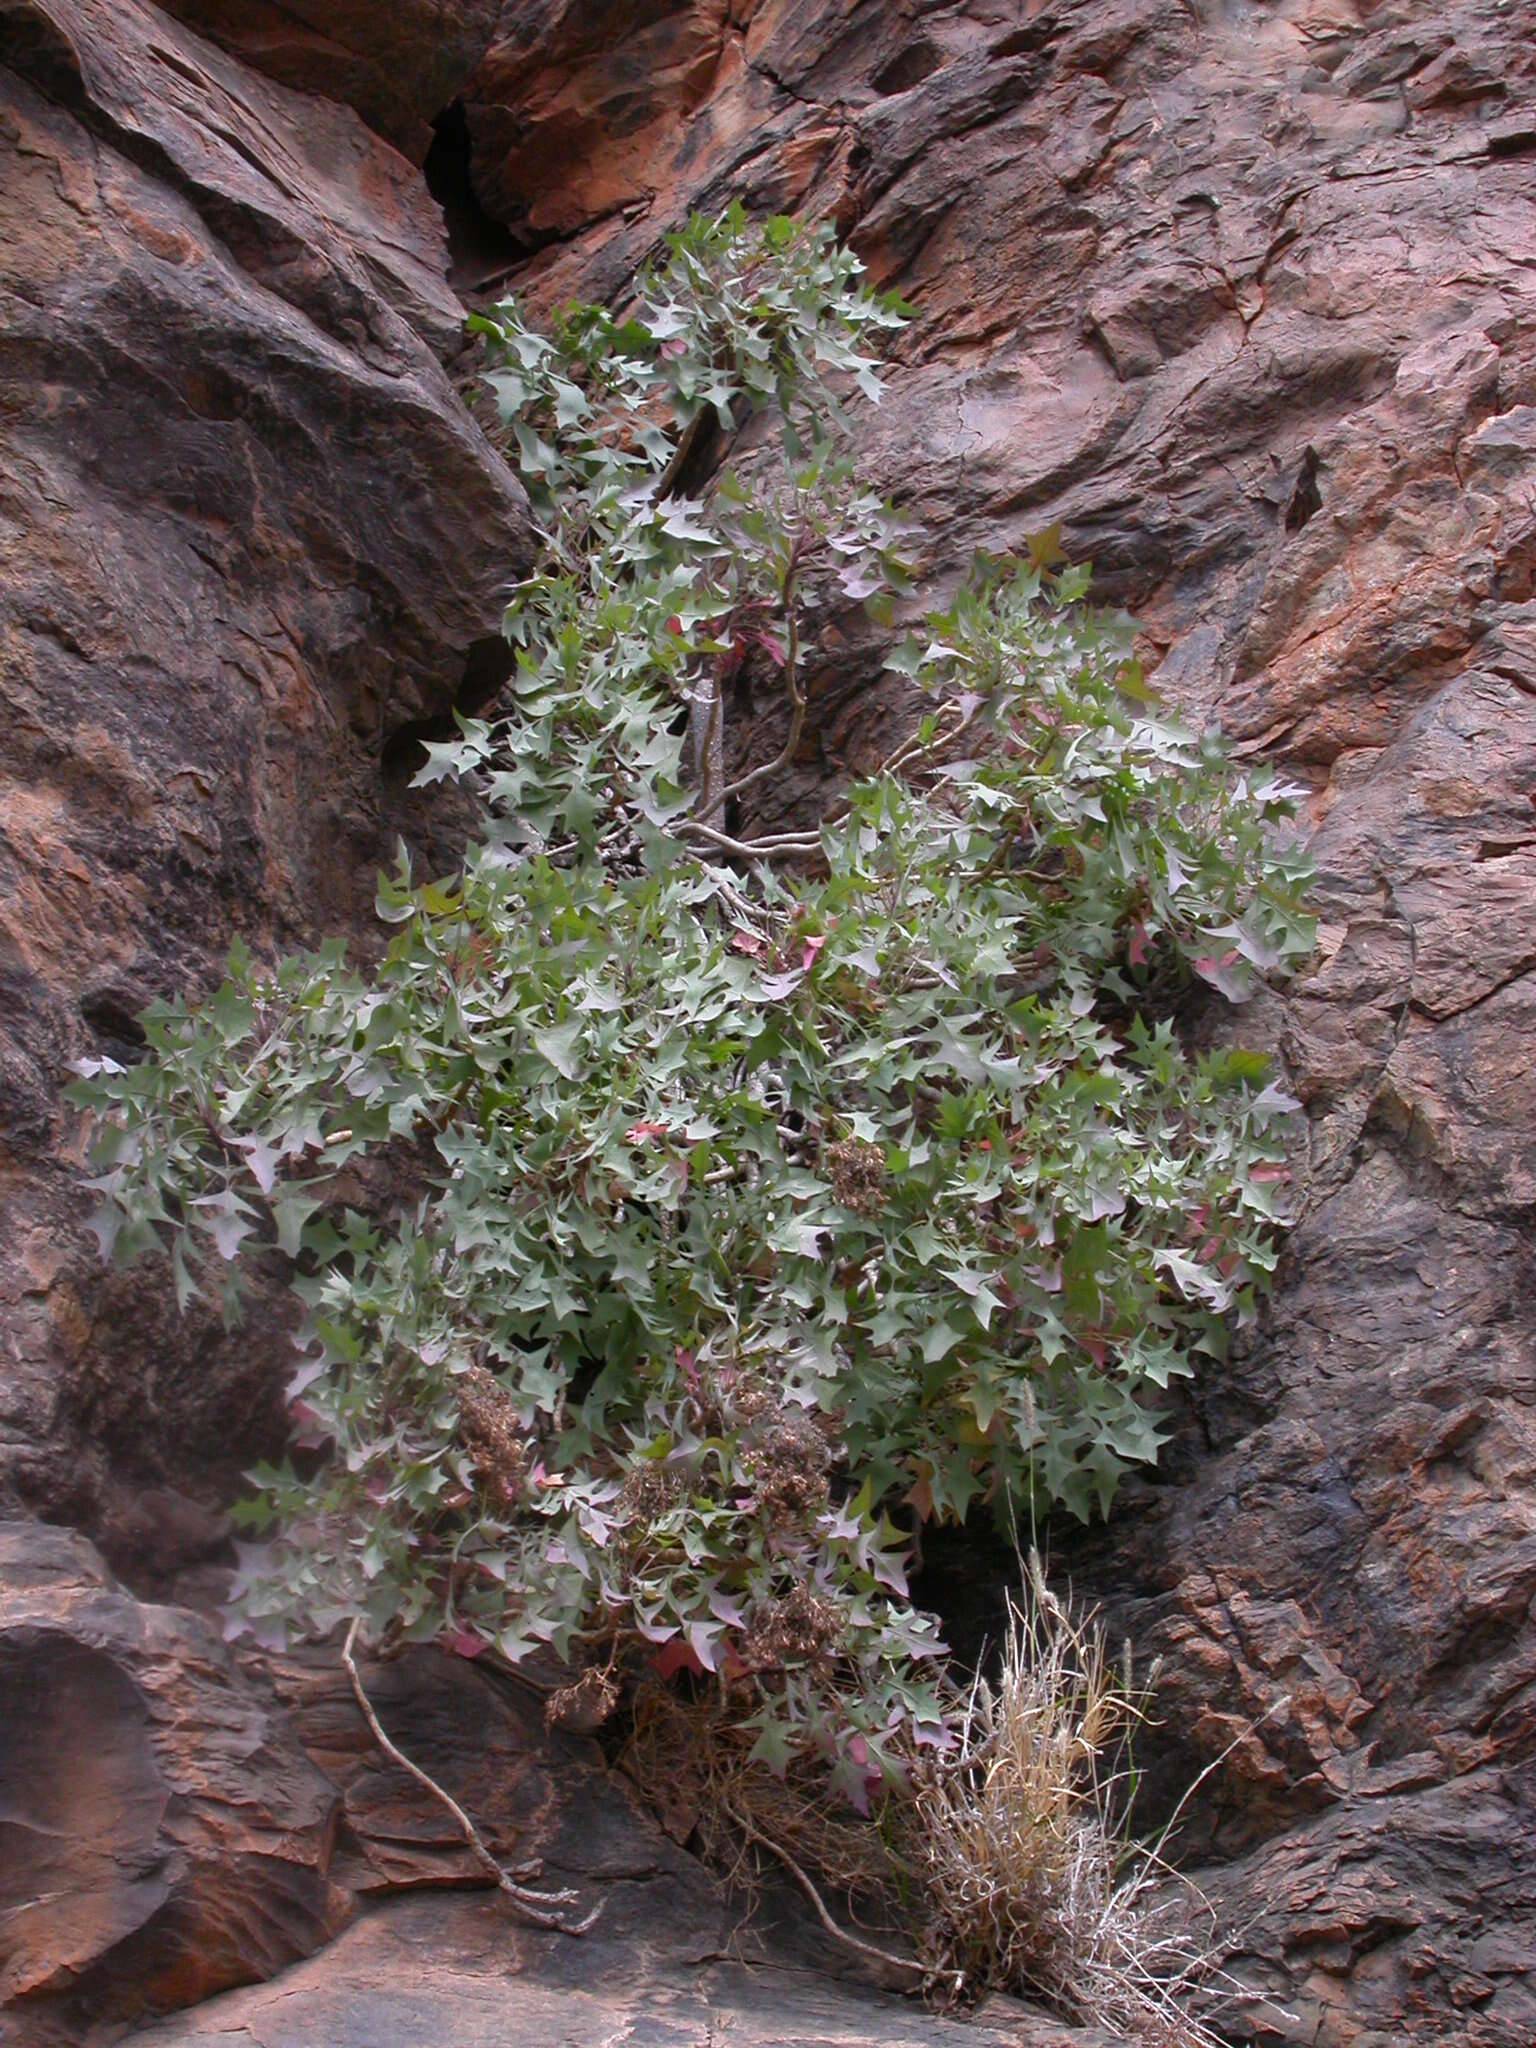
(558, 1043)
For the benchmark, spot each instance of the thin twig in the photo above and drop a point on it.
(751, 849)
(533, 1906)
(797, 698)
(711, 752)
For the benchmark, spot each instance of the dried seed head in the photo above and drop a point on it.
(787, 1461)
(649, 1491)
(857, 1169)
(797, 1629)
(584, 1705)
(489, 1426)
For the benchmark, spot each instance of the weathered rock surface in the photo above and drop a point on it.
(248, 534)
(162, 1833)
(653, 1972)
(399, 66)
(1243, 295)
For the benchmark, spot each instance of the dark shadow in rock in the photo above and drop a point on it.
(480, 249)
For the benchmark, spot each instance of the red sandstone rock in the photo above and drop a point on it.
(249, 536)
(398, 65)
(163, 1834)
(1241, 296)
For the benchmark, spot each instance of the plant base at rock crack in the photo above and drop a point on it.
(746, 1185)
(1019, 1852)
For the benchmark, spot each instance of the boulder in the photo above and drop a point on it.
(164, 1834)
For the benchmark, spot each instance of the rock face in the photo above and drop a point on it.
(164, 1833)
(1239, 293)
(399, 66)
(250, 540)
(653, 1972)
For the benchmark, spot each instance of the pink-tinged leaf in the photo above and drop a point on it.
(930, 1735)
(701, 1640)
(858, 1751)
(777, 986)
(1227, 975)
(812, 948)
(674, 348)
(311, 1431)
(465, 1643)
(677, 1656)
(849, 1782)
(641, 1134)
(1209, 1249)
(775, 647)
(539, 1476)
(1281, 1173)
(746, 942)
(1136, 952)
(311, 1370)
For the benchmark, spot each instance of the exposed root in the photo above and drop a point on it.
(908, 1965)
(538, 1908)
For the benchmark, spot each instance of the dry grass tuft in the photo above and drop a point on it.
(1018, 1845)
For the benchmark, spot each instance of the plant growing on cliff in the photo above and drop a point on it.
(750, 1186)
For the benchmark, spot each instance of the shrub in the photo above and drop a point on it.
(746, 1184)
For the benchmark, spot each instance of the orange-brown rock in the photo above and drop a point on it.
(250, 540)
(163, 1833)
(1242, 295)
